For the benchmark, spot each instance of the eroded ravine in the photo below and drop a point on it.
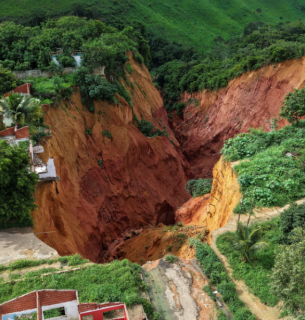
(248, 101)
(113, 179)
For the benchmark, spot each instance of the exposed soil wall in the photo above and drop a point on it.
(248, 101)
(108, 185)
(213, 212)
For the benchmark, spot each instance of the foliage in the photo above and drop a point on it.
(24, 110)
(294, 106)
(94, 283)
(7, 80)
(51, 90)
(24, 263)
(273, 174)
(17, 185)
(149, 130)
(247, 240)
(199, 187)
(215, 271)
(39, 134)
(26, 48)
(171, 259)
(107, 134)
(39, 272)
(100, 163)
(257, 277)
(287, 278)
(94, 87)
(191, 23)
(292, 218)
(228, 59)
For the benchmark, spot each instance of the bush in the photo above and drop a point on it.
(149, 130)
(292, 218)
(294, 106)
(16, 190)
(171, 259)
(199, 187)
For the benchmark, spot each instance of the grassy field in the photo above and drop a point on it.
(191, 22)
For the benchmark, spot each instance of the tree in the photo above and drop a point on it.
(7, 80)
(294, 106)
(23, 109)
(247, 239)
(288, 274)
(17, 184)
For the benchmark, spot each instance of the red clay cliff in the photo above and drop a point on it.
(247, 102)
(113, 179)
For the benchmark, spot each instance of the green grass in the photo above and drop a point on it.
(73, 260)
(216, 273)
(274, 173)
(257, 277)
(190, 22)
(116, 281)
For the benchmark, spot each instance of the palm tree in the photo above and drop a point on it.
(22, 109)
(247, 239)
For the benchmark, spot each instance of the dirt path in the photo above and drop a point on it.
(261, 311)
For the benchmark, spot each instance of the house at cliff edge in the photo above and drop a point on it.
(21, 138)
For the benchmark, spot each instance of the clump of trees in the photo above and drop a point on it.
(260, 45)
(17, 186)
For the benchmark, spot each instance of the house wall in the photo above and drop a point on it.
(71, 310)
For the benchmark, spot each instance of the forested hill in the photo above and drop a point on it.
(192, 22)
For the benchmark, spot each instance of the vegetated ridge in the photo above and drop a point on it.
(193, 23)
(113, 178)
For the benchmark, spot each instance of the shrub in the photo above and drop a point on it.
(149, 130)
(107, 134)
(292, 218)
(171, 259)
(16, 190)
(199, 187)
(294, 106)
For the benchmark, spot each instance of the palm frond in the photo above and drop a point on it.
(259, 245)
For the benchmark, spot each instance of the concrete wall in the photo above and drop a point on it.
(37, 73)
(71, 310)
(11, 316)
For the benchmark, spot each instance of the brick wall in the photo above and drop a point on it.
(22, 303)
(29, 301)
(22, 133)
(49, 297)
(25, 88)
(7, 132)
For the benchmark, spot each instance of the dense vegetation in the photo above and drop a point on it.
(216, 273)
(260, 45)
(277, 270)
(193, 23)
(199, 187)
(26, 48)
(94, 283)
(17, 186)
(274, 173)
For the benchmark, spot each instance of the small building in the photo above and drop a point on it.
(59, 305)
(21, 137)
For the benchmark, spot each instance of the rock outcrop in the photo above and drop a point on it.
(248, 101)
(113, 179)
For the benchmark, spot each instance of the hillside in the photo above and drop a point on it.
(190, 22)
